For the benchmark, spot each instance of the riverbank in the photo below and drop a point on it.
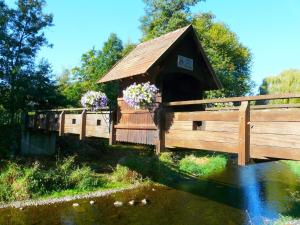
(81, 168)
(51, 200)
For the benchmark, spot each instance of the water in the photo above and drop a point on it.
(249, 195)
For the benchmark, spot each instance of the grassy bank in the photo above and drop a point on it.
(98, 166)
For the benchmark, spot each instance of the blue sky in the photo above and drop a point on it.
(269, 28)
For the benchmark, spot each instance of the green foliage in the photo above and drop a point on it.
(163, 16)
(94, 64)
(202, 166)
(22, 182)
(294, 166)
(230, 59)
(24, 83)
(123, 174)
(286, 82)
(166, 157)
(284, 220)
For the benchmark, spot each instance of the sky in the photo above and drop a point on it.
(269, 28)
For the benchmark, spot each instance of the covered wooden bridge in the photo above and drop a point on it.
(177, 65)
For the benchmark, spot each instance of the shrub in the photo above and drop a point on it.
(166, 157)
(125, 175)
(202, 166)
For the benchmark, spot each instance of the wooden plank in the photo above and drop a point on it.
(205, 116)
(275, 128)
(262, 151)
(179, 125)
(82, 125)
(161, 120)
(221, 126)
(61, 123)
(255, 107)
(227, 137)
(280, 115)
(244, 134)
(235, 99)
(278, 140)
(136, 126)
(202, 145)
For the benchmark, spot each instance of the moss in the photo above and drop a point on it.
(285, 220)
(202, 166)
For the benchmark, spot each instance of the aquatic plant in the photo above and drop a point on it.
(94, 100)
(140, 95)
(202, 166)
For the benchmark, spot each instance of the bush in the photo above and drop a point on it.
(18, 183)
(123, 174)
(202, 166)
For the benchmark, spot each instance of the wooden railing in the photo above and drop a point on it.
(258, 131)
(72, 120)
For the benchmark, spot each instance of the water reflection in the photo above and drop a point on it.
(244, 195)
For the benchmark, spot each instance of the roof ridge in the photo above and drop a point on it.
(164, 35)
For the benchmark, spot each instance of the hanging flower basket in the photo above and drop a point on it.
(140, 96)
(94, 100)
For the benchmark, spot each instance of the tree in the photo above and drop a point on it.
(287, 81)
(230, 59)
(21, 37)
(94, 65)
(163, 16)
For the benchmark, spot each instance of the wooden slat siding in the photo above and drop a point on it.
(82, 130)
(72, 128)
(235, 99)
(92, 130)
(276, 115)
(283, 128)
(226, 137)
(262, 151)
(206, 116)
(61, 130)
(244, 134)
(202, 145)
(278, 140)
(254, 107)
(136, 126)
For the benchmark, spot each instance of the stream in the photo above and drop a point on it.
(255, 194)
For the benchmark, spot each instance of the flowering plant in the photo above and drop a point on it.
(140, 95)
(94, 100)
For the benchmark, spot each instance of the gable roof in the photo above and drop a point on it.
(140, 60)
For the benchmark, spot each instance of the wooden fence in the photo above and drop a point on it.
(251, 131)
(269, 131)
(72, 121)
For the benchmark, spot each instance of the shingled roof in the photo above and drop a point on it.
(146, 54)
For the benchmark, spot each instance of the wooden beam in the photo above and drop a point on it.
(234, 99)
(244, 134)
(61, 128)
(160, 144)
(112, 129)
(82, 125)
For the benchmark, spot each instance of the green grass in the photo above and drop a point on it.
(203, 165)
(285, 220)
(294, 166)
(96, 166)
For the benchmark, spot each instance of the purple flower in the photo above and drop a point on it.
(94, 100)
(140, 95)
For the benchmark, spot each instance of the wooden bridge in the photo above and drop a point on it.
(251, 131)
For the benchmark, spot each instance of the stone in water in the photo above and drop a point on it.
(132, 202)
(75, 204)
(118, 203)
(144, 201)
(92, 202)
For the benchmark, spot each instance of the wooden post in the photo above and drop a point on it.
(160, 145)
(83, 125)
(244, 134)
(61, 128)
(35, 121)
(47, 121)
(112, 129)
